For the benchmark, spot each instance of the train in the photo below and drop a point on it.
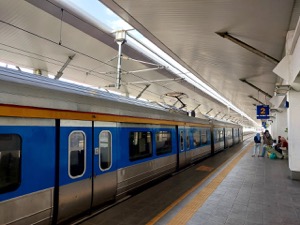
(66, 149)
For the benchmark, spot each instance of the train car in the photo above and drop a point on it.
(66, 149)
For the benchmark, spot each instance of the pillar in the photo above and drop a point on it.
(293, 115)
(280, 124)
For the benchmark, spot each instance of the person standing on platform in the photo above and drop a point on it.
(256, 148)
(267, 141)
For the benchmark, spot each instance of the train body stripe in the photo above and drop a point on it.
(34, 112)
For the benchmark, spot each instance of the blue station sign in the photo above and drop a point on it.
(262, 111)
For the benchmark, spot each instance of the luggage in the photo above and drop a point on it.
(273, 154)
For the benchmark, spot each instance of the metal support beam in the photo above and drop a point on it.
(217, 114)
(228, 118)
(119, 70)
(265, 93)
(223, 116)
(250, 96)
(183, 104)
(175, 103)
(248, 47)
(196, 107)
(154, 81)
(60, 72)
(145, 88)
(140, 61)
(142, 70)
(209, 111)
(120, 39)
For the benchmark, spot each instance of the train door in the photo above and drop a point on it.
(188, 145)
(75, 168)
(222, 138)
(226, 138)
(181, 146)
(105, 173)
(241, 134)
(235, 135)
(213, 139)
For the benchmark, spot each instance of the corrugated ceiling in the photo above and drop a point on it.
(186, 30)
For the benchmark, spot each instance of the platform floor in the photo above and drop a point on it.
(230, 188)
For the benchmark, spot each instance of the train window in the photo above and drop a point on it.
(163, 142)
(221, 138)
(105, 150)
(216, 135)
(181, 141)
(203, 137)
(140, 145)
(235, 132)
(10, 162)
(187, 140)
(196, 138)
(229, 134)
(77, 154)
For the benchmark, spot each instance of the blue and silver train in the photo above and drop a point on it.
(66, 149)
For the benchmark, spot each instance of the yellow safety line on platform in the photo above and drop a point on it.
(191, 207)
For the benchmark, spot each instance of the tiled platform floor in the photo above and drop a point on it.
(257, 191)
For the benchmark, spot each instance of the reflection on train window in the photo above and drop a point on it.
(10, 162)
(187, 140)
(163, 142)
(181, 141)
(235, 132)
(105, 150)
(203, 137)
(140, 145)
(196, 138)
(221, 138)
(216, 135)
(229, 133)
(77, 153)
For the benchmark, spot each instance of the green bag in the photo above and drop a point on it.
(273, 155)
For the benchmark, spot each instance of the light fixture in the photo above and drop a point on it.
(120, 36)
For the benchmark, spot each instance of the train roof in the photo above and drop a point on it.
(25, 89)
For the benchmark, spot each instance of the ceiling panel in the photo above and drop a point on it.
(35, 35)
(187, 30)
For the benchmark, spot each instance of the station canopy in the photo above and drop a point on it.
(215, 58)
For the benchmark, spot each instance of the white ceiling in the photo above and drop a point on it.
(186, 30)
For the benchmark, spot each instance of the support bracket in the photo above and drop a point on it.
(60, 72)
(265, 93)
(248, 47)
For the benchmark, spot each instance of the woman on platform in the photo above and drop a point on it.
(267, 141)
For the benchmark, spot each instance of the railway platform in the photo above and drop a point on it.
(230, 188)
